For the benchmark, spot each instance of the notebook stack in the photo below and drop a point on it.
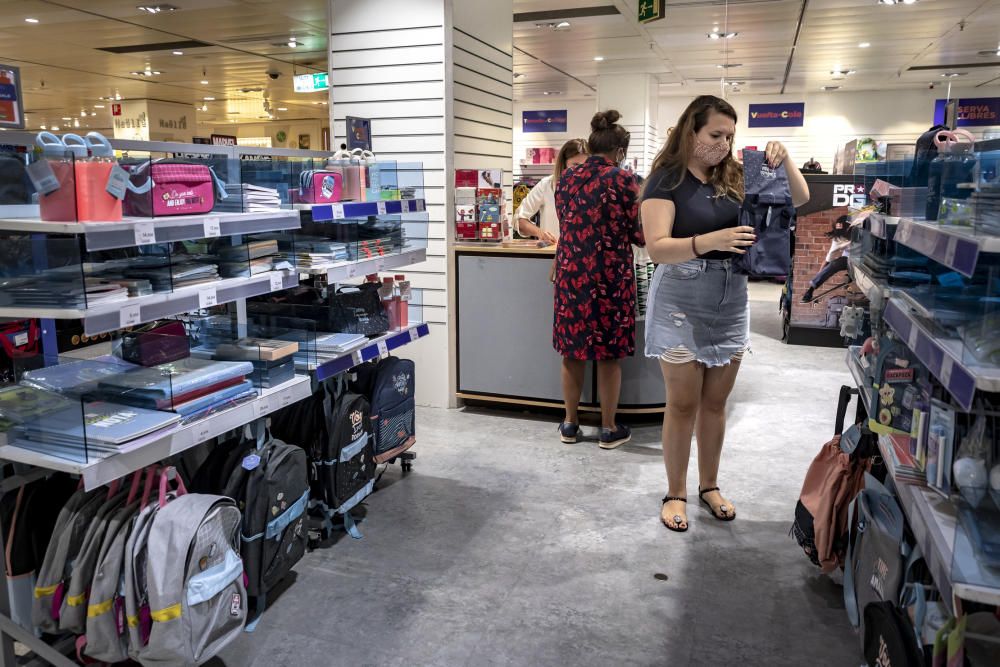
(314, 252)
(273, 360)
(244, 197)
(247, 259)
(318, 348)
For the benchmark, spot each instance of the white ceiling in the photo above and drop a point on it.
(64, 72)
(677, 49)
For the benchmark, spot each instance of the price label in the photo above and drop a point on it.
(380, 207)
(383, 348)
(947, 364)
(414, 334)
(262, 407)
(117, 182)
(379, 265)
(277, 281)
(285, 400)
(42, 177)
(352, 271)
(144, 233)
(21, 339)
(338, 211)
(213, 228)
(404, 206)
(207, 298)
(914, 334)
(903, 233)
(949, 251)
(358, 359)
(202, 433)
(130, 315)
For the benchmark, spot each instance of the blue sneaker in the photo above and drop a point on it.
(569, 433)
(612, 439)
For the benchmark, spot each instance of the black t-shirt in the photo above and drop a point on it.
(698, 209)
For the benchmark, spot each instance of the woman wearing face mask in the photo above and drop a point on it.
(598, 206)
(697, 318)
(542, 198)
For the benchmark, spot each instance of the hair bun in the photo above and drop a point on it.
(604, 120)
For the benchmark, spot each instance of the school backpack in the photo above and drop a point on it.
(194, 579)
(926, 151)
(767, 207)
(271, 488)
(878, 556)
(346, 467)
(389, 385)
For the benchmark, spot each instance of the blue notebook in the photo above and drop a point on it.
(175, 378)
(75, 378)
(208, 400)
(106, 424)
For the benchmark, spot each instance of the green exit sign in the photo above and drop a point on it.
(310, 83)
(650, 10)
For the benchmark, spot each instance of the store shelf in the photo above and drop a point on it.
(933, 520)
(882, 226)
(377, 347)
(326, 212)
(945, 358)
(957, 248)
(347, 270)
(876, 290)
(136, 310)
(142, 231)
(157, 446)
(858, 373)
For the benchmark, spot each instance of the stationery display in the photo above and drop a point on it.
(480, 206)
(256, 349)
(249, 198)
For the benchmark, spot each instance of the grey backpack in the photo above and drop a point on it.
(67, 537)
(194, 580)
(878, 557)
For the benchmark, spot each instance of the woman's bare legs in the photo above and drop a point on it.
(684, 391)
(609, 389)
(711, 430)
(572, 383)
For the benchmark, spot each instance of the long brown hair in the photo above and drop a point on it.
(570, 150)
(727, 176)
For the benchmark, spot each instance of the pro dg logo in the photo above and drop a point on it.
(848, 194)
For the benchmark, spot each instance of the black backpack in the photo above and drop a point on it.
(346, 467)
(389, 385)
(271, 487)
(925, 153)
(889, 639)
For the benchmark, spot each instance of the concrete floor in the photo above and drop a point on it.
(506, 547)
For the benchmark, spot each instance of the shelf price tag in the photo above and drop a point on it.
(379, 265)
(947, 364)
(202, 433)
(338, 211)
(404, 206)
(42, 177)
(130, 315)
(117, 180)
(358, 358)
(144, 233)
(914, 334)
(277, 281)
(380, 207)
(213, 228)
(262, 407)
(949, 252)
(414, 334)
(285, 400)
(383, 349)
(207, 298)
(352, 271)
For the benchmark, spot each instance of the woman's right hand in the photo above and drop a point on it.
(732, 239)
(548, 237)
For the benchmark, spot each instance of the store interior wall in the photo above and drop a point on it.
(312, 129)
(579, 113)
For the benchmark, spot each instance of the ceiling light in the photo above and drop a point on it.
(209, 99)
(598, 58)
(67, 118)
(93, 113)
(828, 88)
(518, 75)
(551, 92)
(31, 20)
(719, 35)
(156, 9)
(562, 25)
(76, 122)
(292, 43)
(836, 71)
(714, 35)
(204, 82)
(282, 108)
(729, 65)
(42, 127)
(83, 113)
(909, 2)
(204, 107)
(952, 75)
(864, 45)
(178, 53)
(54, 128)
(98, 106)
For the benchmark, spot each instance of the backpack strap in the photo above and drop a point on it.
(850, 598)
(219, 185)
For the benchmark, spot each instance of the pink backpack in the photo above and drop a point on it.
(171, 187)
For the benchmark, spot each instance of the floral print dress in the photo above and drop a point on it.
(598, 206)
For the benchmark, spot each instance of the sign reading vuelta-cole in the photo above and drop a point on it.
(972, 112)
(544, 121)
(786, 114)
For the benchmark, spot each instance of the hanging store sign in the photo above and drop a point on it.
(11, 104)
(651, 10)
(311, 83)
(972, 112)
(223, 140)
(544, 121)
(787, 114)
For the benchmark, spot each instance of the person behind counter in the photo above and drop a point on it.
(697, 321)
(597, 206)
(541, 199)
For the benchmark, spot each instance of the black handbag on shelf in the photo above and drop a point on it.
(358, 311)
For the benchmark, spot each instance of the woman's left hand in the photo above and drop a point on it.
(776, 153)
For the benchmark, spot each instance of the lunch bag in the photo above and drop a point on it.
(172, 187)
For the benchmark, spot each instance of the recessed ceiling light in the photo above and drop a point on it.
(42, 127)
(729, 65)
(282, 108)
(952, 75)
(209, 99)
(830, 88)
(864, 45)
(719, 35)
(518, 75)
(98, 106)
(562, 25)
(836, 71)
(83, 113)
(54, 128)
(204, 107)
(31, 20)
(204, 82)
(598, 58)
(178, 53)
(292, 43)
(156, 9)
(67, 118)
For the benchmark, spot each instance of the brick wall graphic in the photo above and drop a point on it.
(811, 246)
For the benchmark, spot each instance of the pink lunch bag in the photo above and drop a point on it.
(172, 187)
(317, 186)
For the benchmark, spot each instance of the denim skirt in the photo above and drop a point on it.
(698, 310)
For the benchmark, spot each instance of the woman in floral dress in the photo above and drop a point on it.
(595, 277)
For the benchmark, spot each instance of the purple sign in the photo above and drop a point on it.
(972, 112)
(787, 114)
(544, 121)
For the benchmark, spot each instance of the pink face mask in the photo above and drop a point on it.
(711, 154)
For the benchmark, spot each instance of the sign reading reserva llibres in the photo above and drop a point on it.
(972, 112)
(784, 114)
(651, 10)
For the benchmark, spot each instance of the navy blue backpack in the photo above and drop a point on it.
(767, 207)
(389, 385)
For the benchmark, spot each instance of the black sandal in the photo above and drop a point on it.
(677, 518)
(723, 508)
